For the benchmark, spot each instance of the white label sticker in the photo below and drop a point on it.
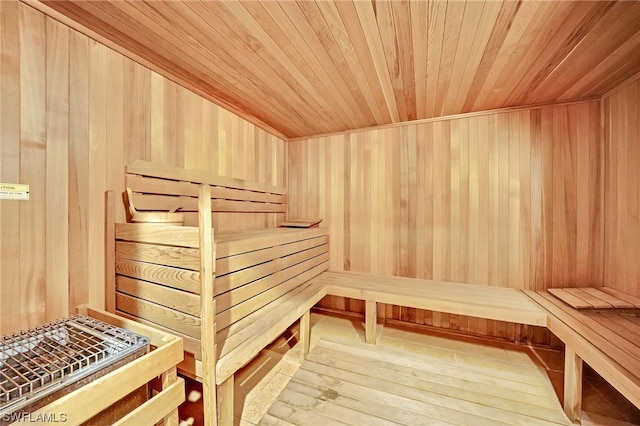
(14, 191)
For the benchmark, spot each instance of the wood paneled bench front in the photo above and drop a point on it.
(496, 303)
(228, 294)
(609, 341)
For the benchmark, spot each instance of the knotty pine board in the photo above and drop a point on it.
(73, 113)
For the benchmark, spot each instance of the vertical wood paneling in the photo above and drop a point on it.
(513, 199)
(473, 252)
(483, 201)
(525, 215)
(57, 170)
(78, 169)
(622, 192)
(505, 199)
(597, 185)
(73, 113)
(494, 204)
(98, 95)
(115, 130)
(157, 113)
(546, 196)
(10, 317)
(32, 164)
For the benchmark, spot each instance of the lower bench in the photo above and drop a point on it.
(241, 342)
(608, 341)
(496, 303)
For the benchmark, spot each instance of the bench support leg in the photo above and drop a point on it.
(370, 321)
(305, 334)
(572, 385)
(169, 377)
(225, 402)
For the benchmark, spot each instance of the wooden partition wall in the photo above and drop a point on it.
(73, 113)
(622, 188)
(509, 199)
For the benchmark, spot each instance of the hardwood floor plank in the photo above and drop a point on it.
(380, 404)
(290, 414)
(383, 386)
(469, 377)
(269, 420)
(417, 385)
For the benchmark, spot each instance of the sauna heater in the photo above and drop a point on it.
(49, 361)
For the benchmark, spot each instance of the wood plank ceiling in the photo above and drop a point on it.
(303, 68)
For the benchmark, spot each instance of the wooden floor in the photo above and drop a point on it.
(357, 384)
(260, 383)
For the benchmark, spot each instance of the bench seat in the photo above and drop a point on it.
(496, 303)
(608, 341)
(241, 342)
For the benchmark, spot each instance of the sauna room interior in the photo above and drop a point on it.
(473, 166)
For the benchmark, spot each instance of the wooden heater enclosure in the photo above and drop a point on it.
(93, 368)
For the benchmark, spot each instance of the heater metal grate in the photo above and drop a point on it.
(35, 362)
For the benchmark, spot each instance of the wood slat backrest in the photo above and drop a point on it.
(158, 187)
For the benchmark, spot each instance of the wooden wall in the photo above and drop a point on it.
(622, 188)
(515, 199)
(509, 199)
(72, 114)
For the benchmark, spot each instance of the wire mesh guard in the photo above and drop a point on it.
(36, 362)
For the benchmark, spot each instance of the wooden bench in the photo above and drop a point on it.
(609, 341)
(228, 294)
(267, 279)
(496, 303)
